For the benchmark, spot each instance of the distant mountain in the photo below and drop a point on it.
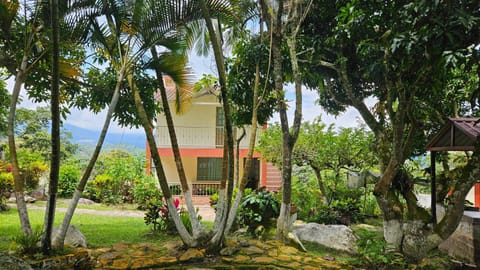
(131, 141)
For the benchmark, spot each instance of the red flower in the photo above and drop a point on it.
(177, 202)
(9, 169)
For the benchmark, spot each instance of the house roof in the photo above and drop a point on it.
(170, 88)
(458, 134)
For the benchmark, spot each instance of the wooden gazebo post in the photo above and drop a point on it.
(433, 188)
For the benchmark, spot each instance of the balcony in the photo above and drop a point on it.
(197, 137)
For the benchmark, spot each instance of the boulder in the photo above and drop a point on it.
(39, 193)
(338, 237)
(27, 198)
(74, 237)
(85, 201)
(8, 262)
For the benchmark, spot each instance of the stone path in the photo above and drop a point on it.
(238, 254)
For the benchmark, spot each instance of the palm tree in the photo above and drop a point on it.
(129, 29)
(55, 156)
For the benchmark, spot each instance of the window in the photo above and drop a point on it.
(209, 169)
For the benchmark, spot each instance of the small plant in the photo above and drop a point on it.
(6, 187)
(28, 244)
(374, 254)
(257, 209)
(159, 216)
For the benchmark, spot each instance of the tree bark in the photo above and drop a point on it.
(55, 134)
(19, 183)
(228, 170)
(59, 238)
(187, 239)
(196, 227)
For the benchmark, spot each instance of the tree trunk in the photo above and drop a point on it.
(251, 146)
(187, 239)
(59, 238)
(228, 168)
(19, 183)
(321, 186)
(55, 136)
(237, 158)
(196, 227)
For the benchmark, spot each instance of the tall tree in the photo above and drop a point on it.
(29, 30)
(126, 34)
(398, 52)
(55, 113)
(284, 19)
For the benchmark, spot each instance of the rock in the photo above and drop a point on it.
(39, 193)
(339, 237)
(85, 201)
(27, 198)
(229, 251)
(192, 255)
(8, 262)
(74, 237)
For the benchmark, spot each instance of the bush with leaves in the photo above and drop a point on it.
(6, 188)
(374, 254)
(28, 243)
(306, 196)
(32, 167)
(258, 209)
(68, 179)
(344, 208)
(145, 190)
(159, 217)
(118, 171)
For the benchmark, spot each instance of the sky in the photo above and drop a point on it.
(87, 120)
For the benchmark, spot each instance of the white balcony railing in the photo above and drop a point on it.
(192, 137)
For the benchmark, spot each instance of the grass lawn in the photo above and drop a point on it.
(100, 231)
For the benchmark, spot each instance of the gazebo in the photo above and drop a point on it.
(459, 134)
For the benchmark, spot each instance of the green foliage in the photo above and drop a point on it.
(258, 209)
(32, 167)
(374, 255)
(106, 189)
(117, 174)
(344, 208)
(69, 177)
(159, 217)
(28, 244)
(146, 189)
(6, 187)
(306, 196)
(241, 81)
(33, 133)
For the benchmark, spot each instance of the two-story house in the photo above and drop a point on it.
(200, 134)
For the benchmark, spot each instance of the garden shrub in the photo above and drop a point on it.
(258, 209)
(32, 167)
(6, 188)
(307, 197)
(68, 180)
(344, 208)
(373, 252)
(106, 189)
(145, 190)
(159, 217)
